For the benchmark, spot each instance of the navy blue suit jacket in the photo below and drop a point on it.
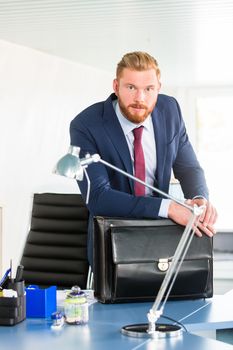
(97, 130)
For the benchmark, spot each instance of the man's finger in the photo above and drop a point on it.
(209, 231)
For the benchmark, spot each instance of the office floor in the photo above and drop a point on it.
(226, 336)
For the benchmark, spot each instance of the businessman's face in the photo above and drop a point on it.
(137, 93)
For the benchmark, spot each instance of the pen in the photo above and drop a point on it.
(4, 278)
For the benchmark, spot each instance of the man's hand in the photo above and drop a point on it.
(181, 215)
(208, 217)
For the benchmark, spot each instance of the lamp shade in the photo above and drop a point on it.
(70, 165)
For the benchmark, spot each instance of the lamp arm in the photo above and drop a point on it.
(173, 270)
(88, 185)
(190, 228)
(96, 158)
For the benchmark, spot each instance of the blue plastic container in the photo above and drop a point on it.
(40, 302)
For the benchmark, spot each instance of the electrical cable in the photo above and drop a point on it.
(175, 321)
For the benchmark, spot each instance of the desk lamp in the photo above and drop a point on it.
(72, 166)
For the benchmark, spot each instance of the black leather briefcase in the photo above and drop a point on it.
(131, 258)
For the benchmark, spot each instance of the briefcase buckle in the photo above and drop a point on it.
(163, 265)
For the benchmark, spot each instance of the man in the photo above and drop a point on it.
(107, 128)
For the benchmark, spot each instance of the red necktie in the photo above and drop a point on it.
(139, 162)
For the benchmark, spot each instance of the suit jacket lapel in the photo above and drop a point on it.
(160, 139)
(116, 134)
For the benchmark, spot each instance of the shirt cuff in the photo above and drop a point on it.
(163, 210)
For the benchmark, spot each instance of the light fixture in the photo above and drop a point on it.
(72, 166)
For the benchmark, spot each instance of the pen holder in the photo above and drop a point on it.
(13, 309)
(41, 302)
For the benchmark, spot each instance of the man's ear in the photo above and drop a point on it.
(115, 86)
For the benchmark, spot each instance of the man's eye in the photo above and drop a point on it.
(149, 88)
(131, 87)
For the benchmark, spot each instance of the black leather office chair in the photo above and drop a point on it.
(55, 252)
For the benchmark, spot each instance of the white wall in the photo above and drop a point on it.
(39, 95)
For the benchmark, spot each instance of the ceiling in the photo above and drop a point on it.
(192, 39)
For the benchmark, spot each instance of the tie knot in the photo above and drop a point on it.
(137, 132)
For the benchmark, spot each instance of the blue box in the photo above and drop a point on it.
(40, 302)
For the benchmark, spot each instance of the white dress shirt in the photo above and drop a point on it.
(149, 149)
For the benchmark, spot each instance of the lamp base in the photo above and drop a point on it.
(162, 330)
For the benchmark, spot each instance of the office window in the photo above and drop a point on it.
(215, 152)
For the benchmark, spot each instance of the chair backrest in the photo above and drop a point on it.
(55, 252)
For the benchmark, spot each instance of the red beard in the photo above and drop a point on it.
(134, 117)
